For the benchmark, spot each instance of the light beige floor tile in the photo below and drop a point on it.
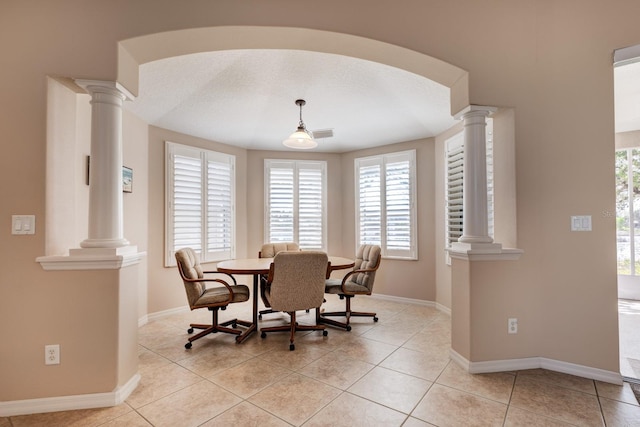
(517, 417)
(337, 370)
(361, 413)
(427, 366)
(132, 419)
(622, 393)
(300, 357)
(495, 386)
(295, 398)
(245, 414)
(390, 334)
(212, 358)
(366, 350)
(444, 406)
(248, 378)
(560, 379)
(190, 406)
(620, 414)
(78, 418)
(544, 398)
(148, 360)
(414, 422)
(431, 337)
(161, 382)
(390, 388)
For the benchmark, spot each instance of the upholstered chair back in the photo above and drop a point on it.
(298, 280)
(190, 269)
(270, 250)
(367, 257)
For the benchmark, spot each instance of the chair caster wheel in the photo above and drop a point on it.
(307, 310)
(259, 316)
(375, 319)
(188, 345)
(190, 330)
(292, 347)
(325, 333)
(348, 328)
(341, 296)
(234, 325)
(263, 335)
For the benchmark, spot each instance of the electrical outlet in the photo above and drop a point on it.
(52, 354)
(512, 325)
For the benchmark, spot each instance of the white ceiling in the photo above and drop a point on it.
(247, 98)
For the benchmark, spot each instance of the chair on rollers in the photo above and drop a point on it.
(214, 298)
(270, 250)
(296, 282)
(359, 281)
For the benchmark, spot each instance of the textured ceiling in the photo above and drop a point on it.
(247, 98)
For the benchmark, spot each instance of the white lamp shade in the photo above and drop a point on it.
(300, 139)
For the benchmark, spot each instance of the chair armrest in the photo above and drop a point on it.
(351, 273)
(214, 280)
(220, 272)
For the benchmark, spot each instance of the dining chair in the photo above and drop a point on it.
(269, 250)
(359, 281)
(216, 297)
(296, 282)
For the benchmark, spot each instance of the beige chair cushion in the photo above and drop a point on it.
(270, 250)
(198, 295)
(367, 257)
(298, 280)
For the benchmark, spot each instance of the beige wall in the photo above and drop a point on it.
(550, 61)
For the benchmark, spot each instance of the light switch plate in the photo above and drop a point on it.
(581, 223)
(23, 224)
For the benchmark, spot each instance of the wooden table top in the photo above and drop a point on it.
(261, 265)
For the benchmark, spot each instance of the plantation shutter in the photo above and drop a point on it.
(455, 180)
(398, 205)
(385, 203)
(295, 203)
(220, 207)
(187, 201)
(280, 204)
(370, 204)
(200, 195)
(310, 206)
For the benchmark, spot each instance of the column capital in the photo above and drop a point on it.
(105, 86)
(475, 110)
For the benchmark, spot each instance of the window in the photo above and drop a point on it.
(454, 184)
(385, 203)
(628, 210)
(200, 203)
(295, 202)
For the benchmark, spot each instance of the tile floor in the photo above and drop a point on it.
(395, 372)
(629, 324)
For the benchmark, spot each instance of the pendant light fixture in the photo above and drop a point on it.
(301, 138)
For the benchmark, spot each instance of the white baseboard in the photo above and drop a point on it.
(404, 300)
(535, 363)
(68, 403)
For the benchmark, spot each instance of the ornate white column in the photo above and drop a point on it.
(105, 172)
(475, 223)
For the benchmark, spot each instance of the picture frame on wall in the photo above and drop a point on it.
(127, 179)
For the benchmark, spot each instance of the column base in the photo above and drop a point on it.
(93, 259)
(483, 252)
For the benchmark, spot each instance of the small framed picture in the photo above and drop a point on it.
(127, 179)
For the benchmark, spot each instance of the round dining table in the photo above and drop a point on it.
(259, 266)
